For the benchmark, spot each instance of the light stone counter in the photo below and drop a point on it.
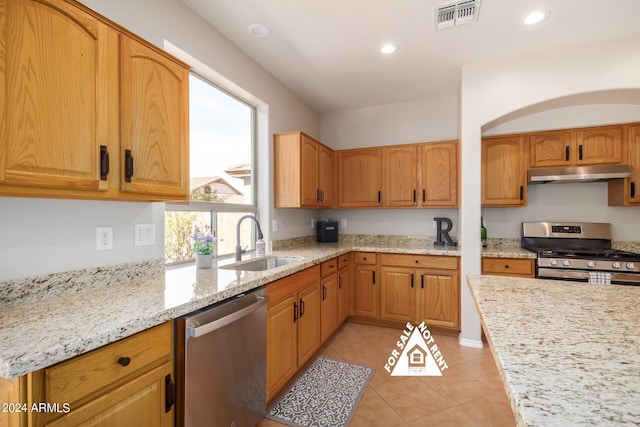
(48, 319)
(568, 352)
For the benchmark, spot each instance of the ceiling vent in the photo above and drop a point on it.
(460, 13)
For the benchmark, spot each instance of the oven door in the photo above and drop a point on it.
(588, 276)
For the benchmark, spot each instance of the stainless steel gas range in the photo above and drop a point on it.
(579, 251)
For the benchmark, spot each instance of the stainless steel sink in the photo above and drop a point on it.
(260, 264)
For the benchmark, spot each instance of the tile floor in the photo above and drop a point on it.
(469, 393)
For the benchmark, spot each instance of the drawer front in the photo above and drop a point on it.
(420, 261)
(290, 285)
(83, 375)
(364, 258)
(329, 267)
(343, 261)
(508, 266)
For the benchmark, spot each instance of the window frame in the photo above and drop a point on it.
(214, 207)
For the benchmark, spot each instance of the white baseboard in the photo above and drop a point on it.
(465, 342)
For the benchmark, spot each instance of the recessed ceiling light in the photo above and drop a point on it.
(535, 17)
(259, 30)
(388, 48)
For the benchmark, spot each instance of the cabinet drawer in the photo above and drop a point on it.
(508, 266)
(83, 375)
(328, 267)
(421, 261)
(364, 258)
(343, 261)
(287, 286)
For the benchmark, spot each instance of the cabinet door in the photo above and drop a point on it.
(366, 291)
(632, 185)
(325, 176)
(154, 118)
(282, 344)
(439, 174)
(440, 299)
(308, 322)
(343, 295)
(54, 95)
(550, 149)
(599, 146)
(401, 178)
(397, 290)
(140, 402)
(309, 154)
(503, 172)
(329, 313)
(360, 177)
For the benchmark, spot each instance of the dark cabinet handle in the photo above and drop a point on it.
(632, 189)
(104, 162)
(301, 307)
(295, 311)
(412, 280)
(324, 292)
(422, 281)
(128, 169)
(317, 195)
(364, 258)
(567, 150)
(580, 152)
(374, 277)
(124, 361)
(506, 266)
(340, 282)
(424, 195)
(169, 393)
(414, 196)
(521, 192)
(322, 195)
(379, 196)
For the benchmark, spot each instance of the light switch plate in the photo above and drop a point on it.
(145, 234)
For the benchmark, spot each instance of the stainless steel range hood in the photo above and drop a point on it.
(578, 174)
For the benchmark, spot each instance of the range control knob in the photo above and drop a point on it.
(553, 262)
(631, 266)
(566, 263)
(616, 265)
(591, 264)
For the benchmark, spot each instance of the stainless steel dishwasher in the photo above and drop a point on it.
(221, 363)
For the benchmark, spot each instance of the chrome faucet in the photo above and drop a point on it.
(238, 247)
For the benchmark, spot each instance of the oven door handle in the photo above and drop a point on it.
(558, 273)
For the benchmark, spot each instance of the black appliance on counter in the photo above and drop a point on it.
(579, 251)
(327, 231)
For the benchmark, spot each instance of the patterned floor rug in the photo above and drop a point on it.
(325, 395)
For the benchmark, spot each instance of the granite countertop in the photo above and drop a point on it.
(53, 318)
(567, 352)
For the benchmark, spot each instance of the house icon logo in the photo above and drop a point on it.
(416, 354)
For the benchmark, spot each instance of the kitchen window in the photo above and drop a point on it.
(222, 173)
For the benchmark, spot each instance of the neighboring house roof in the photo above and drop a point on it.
(215, 184)
(242, 170)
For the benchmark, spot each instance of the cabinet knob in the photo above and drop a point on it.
(417, 261)
(124, 361)
(506, 266)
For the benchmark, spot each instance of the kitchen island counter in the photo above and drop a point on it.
(567, 352)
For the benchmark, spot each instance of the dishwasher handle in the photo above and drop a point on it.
(198, 331)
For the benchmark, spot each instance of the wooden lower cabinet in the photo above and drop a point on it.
(366, 288)
(420, 293)
(329, 298)
(518, 267)
(293, 326)
(344, 287)
(127, 383)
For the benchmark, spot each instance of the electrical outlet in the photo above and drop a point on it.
(313, 223)
(343, 223)
(274, 226)
(435, 225)
(104, 238)
(145, 234)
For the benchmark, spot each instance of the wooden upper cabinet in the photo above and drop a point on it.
(551, 149)
(303, 172)
(626, 192)
(439, 174)
(601, 145)
(577, 147)
(401, 178)
(503, 171)
(54, 95)
(360, 177)
(155, 106)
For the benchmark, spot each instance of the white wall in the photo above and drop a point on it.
(492, 90)
(62, 232)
